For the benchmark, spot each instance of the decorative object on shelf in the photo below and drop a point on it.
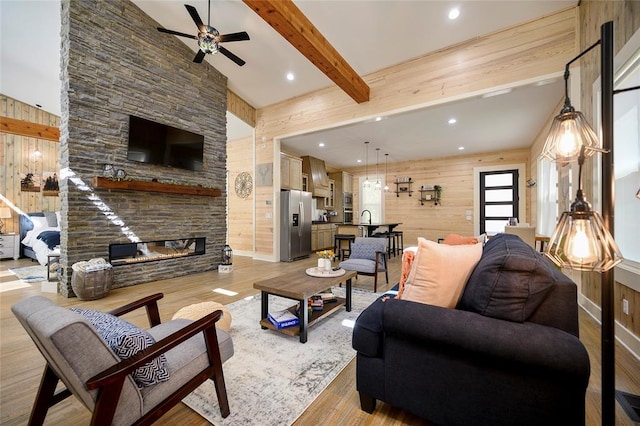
(366, 183)
(227, 260)
(386, 172)
(5, 213)
(108, 171)
(531, 182)
(588, 243)
(244, 185)
(403, 185)
(120, 174)
(438, 190)
(426, 194)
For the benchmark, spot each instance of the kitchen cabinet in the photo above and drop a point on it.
(290, 172)
(343, 182)
(322, 236)
(329, 201)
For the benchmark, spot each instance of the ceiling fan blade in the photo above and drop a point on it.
(196, 18)
(241, 36)
(199, 56)
(164, 30)
(231, 56)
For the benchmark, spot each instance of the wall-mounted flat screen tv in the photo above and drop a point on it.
(155, 143)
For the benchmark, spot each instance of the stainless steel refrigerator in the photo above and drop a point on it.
(295, 225)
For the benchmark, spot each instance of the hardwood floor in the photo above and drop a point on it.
(21, 364)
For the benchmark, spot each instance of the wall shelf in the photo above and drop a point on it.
(149, 186)
(403, 187)
(430, 193)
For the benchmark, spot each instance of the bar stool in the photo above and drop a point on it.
(399, 241)
(337, 244)
(391, 242)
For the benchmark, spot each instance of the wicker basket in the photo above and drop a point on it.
(92, 285)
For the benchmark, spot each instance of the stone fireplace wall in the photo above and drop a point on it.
(115, 63)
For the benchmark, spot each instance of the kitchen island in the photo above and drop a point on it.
(364, 229)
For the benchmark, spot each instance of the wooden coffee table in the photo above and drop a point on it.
(299, 286)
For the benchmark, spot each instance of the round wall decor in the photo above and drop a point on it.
(244, 185)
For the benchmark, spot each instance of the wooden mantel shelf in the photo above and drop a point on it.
(148, 186)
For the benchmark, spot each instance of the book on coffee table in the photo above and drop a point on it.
(283, 319)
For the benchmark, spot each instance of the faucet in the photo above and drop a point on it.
(362, 214)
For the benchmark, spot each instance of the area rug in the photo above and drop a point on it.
(272, 378)
(30, 274)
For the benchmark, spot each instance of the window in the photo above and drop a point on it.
(371, 199)
(499, 199)
(547, 197)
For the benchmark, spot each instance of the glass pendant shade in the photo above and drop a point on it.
(569, 132)
(581, 242)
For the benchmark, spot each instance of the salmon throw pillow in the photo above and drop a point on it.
(440, 272)
(455, 239)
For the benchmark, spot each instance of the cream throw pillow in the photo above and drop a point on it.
(440, 272)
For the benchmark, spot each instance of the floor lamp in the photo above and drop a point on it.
(583, 240)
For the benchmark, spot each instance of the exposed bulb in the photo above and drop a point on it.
(581, 246)
(569, 144)
(366, 183)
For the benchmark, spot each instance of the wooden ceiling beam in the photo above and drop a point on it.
(32, 130)
(285, 17)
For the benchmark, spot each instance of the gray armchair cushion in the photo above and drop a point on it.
(510, 281)
(365, 251)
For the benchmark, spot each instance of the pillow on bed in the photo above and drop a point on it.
(39, 222)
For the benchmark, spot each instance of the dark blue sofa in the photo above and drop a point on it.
(509, 354)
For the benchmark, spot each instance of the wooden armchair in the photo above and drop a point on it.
(368, 256)
(84, 360)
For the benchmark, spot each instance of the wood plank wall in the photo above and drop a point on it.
(455, 175)
(626, 18)
(17, 157)
(522, 53)
(240, 210)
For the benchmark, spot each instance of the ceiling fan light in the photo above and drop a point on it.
(208, 41)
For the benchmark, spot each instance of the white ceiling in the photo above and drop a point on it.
(369, 34)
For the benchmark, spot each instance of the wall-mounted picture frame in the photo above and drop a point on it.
(29, 182)
(50, 187)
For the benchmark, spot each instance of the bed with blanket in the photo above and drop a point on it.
(39, 235)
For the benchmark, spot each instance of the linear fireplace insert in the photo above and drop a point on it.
(151, 251)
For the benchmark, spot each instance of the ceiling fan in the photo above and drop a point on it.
(209, 38)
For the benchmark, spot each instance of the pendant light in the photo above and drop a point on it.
(386, 171)
(378, 185)
(366, 183)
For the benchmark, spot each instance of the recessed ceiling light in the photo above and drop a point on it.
(454, 13)
(452, 121)
(321, 144)
(378, 118)
(290, 76)
(461, 148)
(358, 161)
